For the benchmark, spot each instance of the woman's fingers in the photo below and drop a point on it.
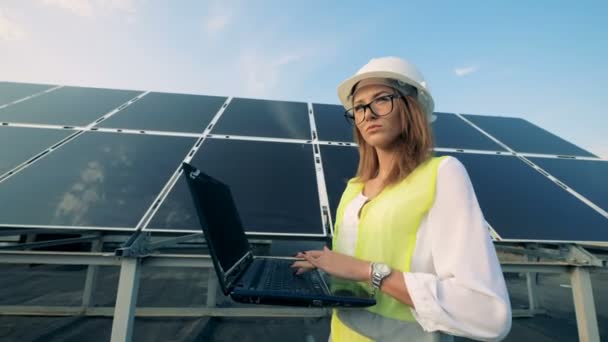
(302, 264)
(302, 267)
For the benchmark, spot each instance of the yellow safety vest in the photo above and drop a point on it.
(386, 233)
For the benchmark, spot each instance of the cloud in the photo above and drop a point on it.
(217, 23)
(218, 17)
(88, 8)
(81, 8)
(465, 70)
(10, 30)
(261, 73)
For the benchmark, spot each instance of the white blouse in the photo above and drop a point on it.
(455, 280)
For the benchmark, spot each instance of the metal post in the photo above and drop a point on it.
(211, 288)
(126, 300)
(532, 288)
(91, 279)
(584, 306)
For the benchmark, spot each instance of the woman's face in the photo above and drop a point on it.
(378, 131)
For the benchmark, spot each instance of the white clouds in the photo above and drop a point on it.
(217, 23)
(9, 29)
(218, 17)
(88, 8)
(263, 72)
(465, 70)
(81, 8)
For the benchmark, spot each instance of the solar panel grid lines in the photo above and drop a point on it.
(265, 118)
(554, 156)
(585, 179)
(38, 156)
(459, 150)
(254, 138)
(520, 202)
(563, 186)
(449, 131)
(63, 142)
(30, 97)
(160, 198)
(67, 106)
(323, 199)
(116, 110)
(540, 170)
(523, 136)
(485, 133)
(102, 181)
(43, 126)
(336, 143)
(158, 111)
(146, 132)
(328, 153)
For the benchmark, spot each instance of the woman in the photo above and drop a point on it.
(409, 224)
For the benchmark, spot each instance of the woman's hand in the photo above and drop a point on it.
(302, 266)
(336, 264)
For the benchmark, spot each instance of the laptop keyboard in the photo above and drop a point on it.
(277, 275)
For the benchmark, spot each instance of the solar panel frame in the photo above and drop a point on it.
(587, 178)
(77, 194)
(191, 113)
(544, 142)
(488, 181)
(250, 153)
(9, 95)
(265, 119)
(73, 110)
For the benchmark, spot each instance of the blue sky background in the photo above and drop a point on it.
(545, 61)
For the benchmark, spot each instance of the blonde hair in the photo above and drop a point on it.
(414, 145)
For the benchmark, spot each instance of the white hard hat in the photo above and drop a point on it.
(394, 68)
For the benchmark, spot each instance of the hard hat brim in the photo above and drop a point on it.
(345, 88)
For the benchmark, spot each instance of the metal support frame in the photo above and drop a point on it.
(212, 284)
(91, 278)
(50, 243)
(532, 286)
(584, 306)
(126, 300)
(126, 304)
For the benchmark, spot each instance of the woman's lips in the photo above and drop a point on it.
(373, 128)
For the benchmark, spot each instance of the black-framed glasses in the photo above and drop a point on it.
(380, 106)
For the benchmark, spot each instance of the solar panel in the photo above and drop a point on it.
(331, 123)
(263, 118)
(450, 131)
(522, 136)
(273, 185)
(587, 177)
(522, 204)
(97, 180)
(339, 165)
(108, 180)
(31, 142)
(71, 106)
(10, 91)
(167, 112)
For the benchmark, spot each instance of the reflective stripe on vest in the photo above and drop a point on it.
(386, 233)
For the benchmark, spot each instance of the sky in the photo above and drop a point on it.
(544, 61)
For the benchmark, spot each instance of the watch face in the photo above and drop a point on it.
(383, 268)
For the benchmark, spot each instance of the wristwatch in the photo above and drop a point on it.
(378, 273)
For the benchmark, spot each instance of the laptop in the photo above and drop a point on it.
(247, 278)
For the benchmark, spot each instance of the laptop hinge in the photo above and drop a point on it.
(235, 272)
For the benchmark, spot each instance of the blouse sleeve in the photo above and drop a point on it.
(467, 296)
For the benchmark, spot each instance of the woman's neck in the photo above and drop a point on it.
(386, 160)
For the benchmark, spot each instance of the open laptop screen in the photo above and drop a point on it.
(219, 216)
